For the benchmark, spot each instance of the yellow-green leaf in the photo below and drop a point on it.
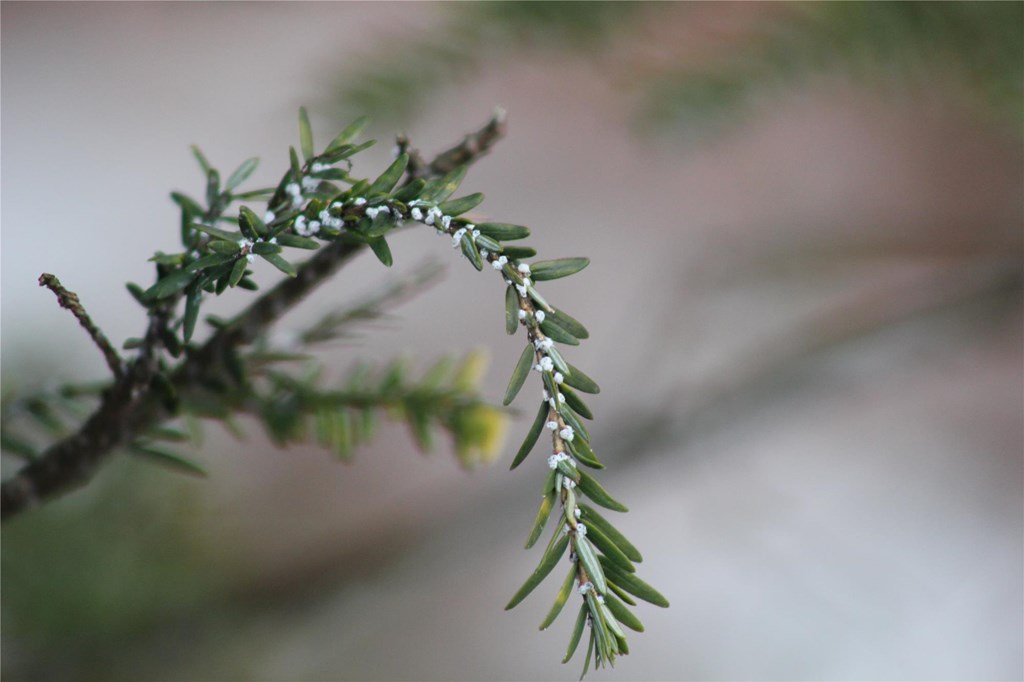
(280, 263)
(201, 159)
(634, 585)
(511, 310)
(558, 333)
(584, 453)
(390, 177)
(518, 252)
(350, 133)
(237, 272)
(459, 206)
(408, 192)
(382, 251)
(169, 285)
(588, 557)
(218, 233)
(576, 403)
(609, 549)
(539, 521)
(592, 489)
(591, 648)
(531, 436)
(554, 269)
(547, 563)
(441, 189)
(471, 252)
(570, 324)
(580, 381)
(503, 231)
(560, 598)
(611, 621)
(297, 242)
(242, 173)
(622, 594)
(622, 614)
(251, 224)
(592, 518)
(192, 300)
(577, 632)
(305, 134)
(519, 374)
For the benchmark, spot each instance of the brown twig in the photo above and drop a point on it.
(70, 300)
(474, 146)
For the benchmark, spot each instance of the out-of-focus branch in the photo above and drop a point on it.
(70, 300)
(143, 396)
(137, 402)
(333, 325)
(474, 146)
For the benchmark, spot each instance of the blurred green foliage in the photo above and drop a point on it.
(977, 45)
(393, 84)
(83, 572)
(892, 45)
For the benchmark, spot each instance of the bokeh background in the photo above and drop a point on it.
(805, 223)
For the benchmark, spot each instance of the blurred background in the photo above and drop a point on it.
(805, 226)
